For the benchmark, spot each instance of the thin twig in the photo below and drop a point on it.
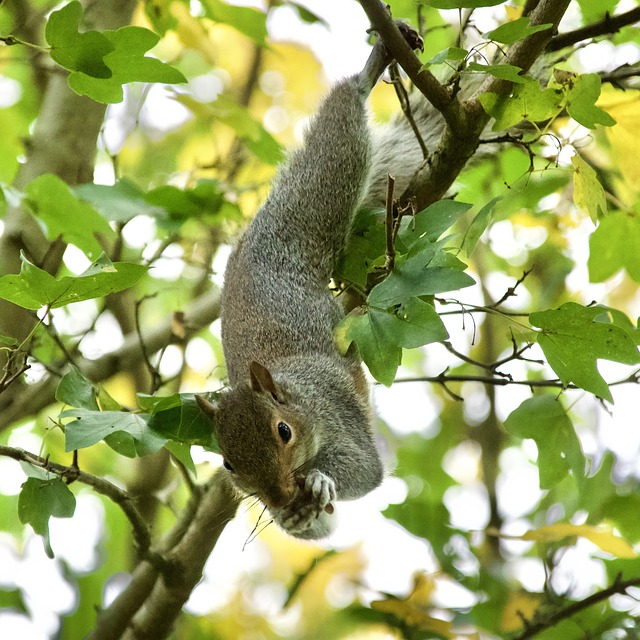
(443, 378)
(511, 291)
(606, 26)
(389, 225)
(12, 371)
(405, 105)
(156, 378)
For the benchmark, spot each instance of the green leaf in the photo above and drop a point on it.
(370, 332)
(73, 50)
(526, 102)
(501, 71)
(7, 341)
(614, 246)
(518, 29)
(229, 112)
(415, 324)
(432, 222)
(127, 63)
(573, 340)
(12, 599)
(179, 418)
(92, 426)
(182, 453)
(453, 54)
(34, 288)
(160, 16)
(119, 202)
(380, 335)
(366, 243)
(259, 141)
(306, 15)
(41, 499)
(544, 419)
(75, 390)
(619, 319)
(205, 199)
(582, 95)
(594, 10)
(420, 275)
(588, 193)
(251, 22)
(478, 226)
(62, 215)
(123, 444)
(423, 512)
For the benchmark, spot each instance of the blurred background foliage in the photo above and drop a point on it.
(180, 169)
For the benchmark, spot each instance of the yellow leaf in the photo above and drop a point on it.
(624, 138)
(414, 609)
(192, 34)
(519, 605)
(601, 537)
(513, 13)
(413, 617)
(588, 193)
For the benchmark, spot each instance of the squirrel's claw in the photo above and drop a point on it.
(321, 487)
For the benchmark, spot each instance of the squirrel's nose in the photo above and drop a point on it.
(279, 497)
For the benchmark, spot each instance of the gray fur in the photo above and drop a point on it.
(278, 311)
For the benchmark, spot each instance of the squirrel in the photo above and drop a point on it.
(295, 427)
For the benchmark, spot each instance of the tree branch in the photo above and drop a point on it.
(465, 121)
(608, 25)
(618, 586)
(425, 81)
(443, 379)
(36, 397)
(148, 607)
(141, 532)
(64, 144)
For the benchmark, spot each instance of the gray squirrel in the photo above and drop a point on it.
(295, 427)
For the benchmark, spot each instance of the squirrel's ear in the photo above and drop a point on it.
(208, 408)
(261, 380)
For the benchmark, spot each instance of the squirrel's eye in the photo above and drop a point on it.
(227, 466)
(284, 431)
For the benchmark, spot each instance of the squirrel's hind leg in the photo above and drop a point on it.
(380, 57)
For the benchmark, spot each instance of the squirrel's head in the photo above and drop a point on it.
(259, 435)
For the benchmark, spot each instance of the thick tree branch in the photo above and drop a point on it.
(149, 606)
(425, 81)
(466, 120)
(113, 621)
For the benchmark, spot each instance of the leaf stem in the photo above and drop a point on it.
(10, 41)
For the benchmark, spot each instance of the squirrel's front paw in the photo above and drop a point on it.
(305, 521)
(321, 488)
(310, 515)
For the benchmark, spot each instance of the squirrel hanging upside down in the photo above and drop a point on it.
(295, 427)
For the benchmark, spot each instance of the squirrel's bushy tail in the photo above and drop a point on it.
(396, 150)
